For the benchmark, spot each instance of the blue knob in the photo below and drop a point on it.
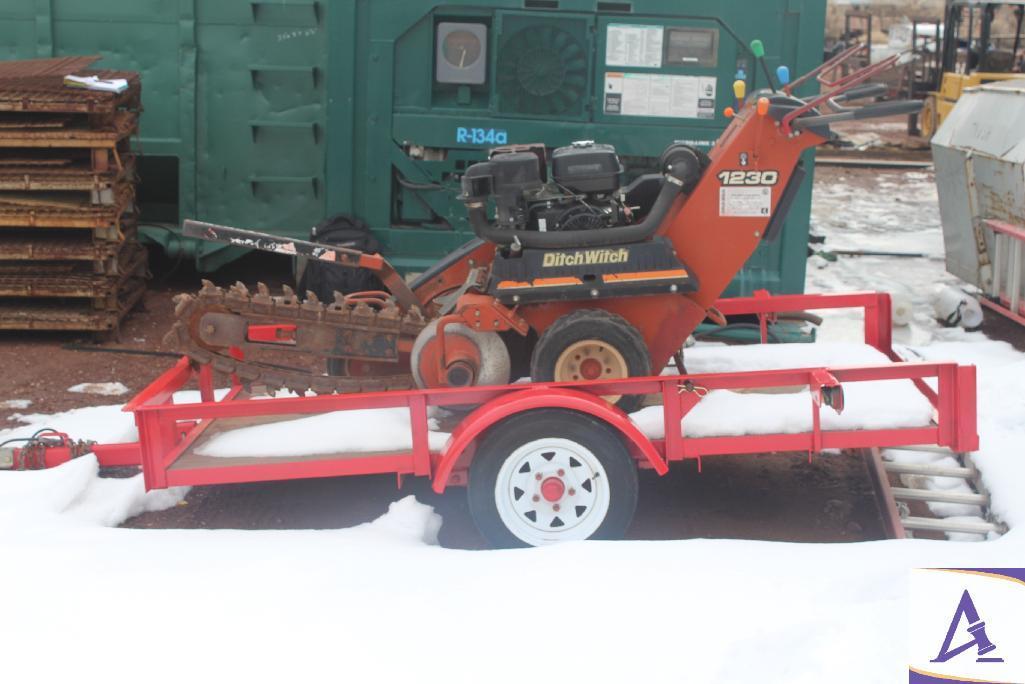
(741, 75)
(783, 75)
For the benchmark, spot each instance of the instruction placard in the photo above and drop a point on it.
(634, 45)
(745, 202)
(679, 97)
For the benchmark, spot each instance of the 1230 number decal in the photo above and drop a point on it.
(749, 177)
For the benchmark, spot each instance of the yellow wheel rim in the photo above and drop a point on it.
(591, 360)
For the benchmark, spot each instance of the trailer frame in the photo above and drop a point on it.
(168, 429)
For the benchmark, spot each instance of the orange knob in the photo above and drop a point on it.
(729, 112)
(763, 106)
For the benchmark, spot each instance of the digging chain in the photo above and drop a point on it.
(345, 315)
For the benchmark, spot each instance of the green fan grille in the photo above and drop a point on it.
(543, 69)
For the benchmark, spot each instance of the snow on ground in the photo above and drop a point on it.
(899, 212)
(104, 389)
(16, 404)
(382, 602)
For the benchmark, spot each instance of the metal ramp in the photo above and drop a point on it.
(906, 505)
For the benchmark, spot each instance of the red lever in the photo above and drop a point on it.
(272, 334)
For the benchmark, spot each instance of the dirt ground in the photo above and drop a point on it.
(42, 366)
(768, 497)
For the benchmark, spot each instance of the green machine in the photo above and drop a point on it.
(273, 114)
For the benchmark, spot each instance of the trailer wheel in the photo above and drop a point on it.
(549, 476)
(592, 344)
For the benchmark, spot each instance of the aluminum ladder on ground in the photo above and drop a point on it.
(1007, 292)
(899, 498)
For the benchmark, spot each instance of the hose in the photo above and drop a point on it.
(671, 189)
(33, 438)
(134, 352)
(772, 336)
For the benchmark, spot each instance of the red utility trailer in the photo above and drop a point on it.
(543, 462)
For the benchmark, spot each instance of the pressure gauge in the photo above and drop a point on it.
(461, 53)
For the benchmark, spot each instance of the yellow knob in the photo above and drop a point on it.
(740, 89)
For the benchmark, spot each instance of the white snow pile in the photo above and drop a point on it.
(381, 602)
(369, 430)
(103, 389)
(15, 404)
(877, 405)
(101, 424)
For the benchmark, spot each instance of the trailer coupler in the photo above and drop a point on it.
(45, 449)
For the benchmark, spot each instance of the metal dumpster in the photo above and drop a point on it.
(979, 153)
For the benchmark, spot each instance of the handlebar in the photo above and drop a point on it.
(861, 92)
(875, 111)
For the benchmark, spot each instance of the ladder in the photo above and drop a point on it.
(1007, 292)
(897, 500)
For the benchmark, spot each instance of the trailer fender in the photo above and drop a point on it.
(505, 406)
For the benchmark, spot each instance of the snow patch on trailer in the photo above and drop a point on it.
(879, 405)
(368, 430)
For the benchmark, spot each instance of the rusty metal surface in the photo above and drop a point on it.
(59, 315)
(208, 323)
(64, 279)
(53, 66)
(68, 196)
(49, 94)
(76, 247)
(90, 217)
(80, 134)
(76, 175)
(35, 120)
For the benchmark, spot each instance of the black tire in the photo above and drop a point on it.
(593, 324)
(325, 279)
(602, 441)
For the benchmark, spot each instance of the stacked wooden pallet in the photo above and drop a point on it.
(69, 256)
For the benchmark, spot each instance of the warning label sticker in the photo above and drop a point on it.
(745, 202)
(680, 97)
(633, 45)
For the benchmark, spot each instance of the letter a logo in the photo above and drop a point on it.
(976, 627)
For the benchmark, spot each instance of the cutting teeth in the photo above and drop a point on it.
(182, 303)
(241, 289)
(171, 338)
(311, 297)
(289, 292)
(263, 290)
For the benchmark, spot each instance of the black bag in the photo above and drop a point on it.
(324, 279)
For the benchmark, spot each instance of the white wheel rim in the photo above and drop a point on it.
(552, 490)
